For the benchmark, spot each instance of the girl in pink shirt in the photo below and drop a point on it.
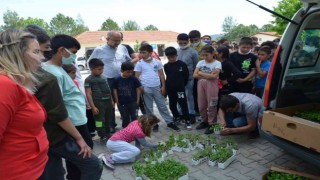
(119, 143)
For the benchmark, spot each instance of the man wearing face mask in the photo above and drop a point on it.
(206, 39)
(64, 48)
(189, 56)
(113, 54)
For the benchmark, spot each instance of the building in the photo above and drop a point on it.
(159, 40)
(266, 36)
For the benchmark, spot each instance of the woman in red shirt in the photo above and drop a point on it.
(23, 140)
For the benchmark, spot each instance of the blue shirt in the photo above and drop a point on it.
(260, 82)
(126, 89)
(72, 97)
(112, 59)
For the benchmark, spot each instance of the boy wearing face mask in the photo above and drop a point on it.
(189, 56)
(150, 72)
(244, 60)
(64, 48)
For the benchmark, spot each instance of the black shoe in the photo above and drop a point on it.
(253, 135)
(173, 126)
(202, 125)
(209, 130)
(112, 130)
(192, 119)
(156, 128)
(188, 126)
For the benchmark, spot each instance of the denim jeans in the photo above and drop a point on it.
(128, 113)
(234, 120)
(90, 168)
(189, 94)
(151, 94)
(112, 121)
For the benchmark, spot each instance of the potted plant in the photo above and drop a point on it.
(212, 158)
(138, 170)
(216, 128)
(225, 157)
(199, 157)
(168, 169)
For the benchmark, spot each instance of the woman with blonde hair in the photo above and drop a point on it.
(23, 140)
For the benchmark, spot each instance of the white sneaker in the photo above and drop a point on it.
(106, 160)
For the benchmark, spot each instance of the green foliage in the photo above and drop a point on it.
(286, 8)
(312, 115)
(274, 175)
(239, 31)
(130, 25)
(11, 19)
(109, 25)
(223, 154)
(266, 28)
(168, 169)
(228, 24)
(138, 168)
(61, 24)
(151, 28)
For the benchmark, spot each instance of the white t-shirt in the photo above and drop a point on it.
(149, 76)
(208, 67)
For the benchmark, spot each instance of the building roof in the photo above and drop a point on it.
(269, 33)
(92, 37)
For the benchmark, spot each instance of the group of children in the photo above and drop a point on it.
(236, 72)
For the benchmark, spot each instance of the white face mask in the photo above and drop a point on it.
(184, 47)
(243, 53)
(196, 44)
(149, 58)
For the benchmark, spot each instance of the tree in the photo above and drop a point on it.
(61, 24)
(266, 28)
(130, 25)
(11, 19)
(109, 25)
(240, 31)
(286, 8)
(151, 28)
(80, 26)
(228, 24)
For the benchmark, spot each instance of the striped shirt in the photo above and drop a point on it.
(131, 133)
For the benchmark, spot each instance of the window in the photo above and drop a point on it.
(306, 51)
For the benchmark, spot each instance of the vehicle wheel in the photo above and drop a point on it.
(81, 68)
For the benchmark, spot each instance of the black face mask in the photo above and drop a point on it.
(48, 55)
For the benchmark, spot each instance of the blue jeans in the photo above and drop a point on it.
(90, 168)
(189, 94)
(235, 121)
(151, 94)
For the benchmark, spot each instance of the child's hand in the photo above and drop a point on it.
(95, 111)
(258, 62)
(163, 90)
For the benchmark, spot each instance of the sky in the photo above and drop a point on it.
(179, 16)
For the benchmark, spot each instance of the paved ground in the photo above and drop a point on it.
(253, 159)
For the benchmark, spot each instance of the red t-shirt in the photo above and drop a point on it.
(132, 132)
(23, 140)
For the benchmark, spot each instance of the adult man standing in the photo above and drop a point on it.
(113, 54)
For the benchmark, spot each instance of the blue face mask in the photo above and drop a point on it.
(70, 59)
(207, 41)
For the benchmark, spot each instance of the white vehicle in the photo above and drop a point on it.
(81, 62)
(294, 76)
